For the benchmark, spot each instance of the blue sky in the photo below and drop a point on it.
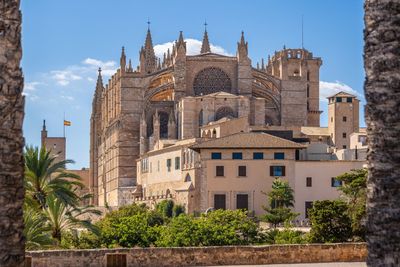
(65, 41)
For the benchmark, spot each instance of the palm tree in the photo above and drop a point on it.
(11, 140)
(36, 232)
(382, 64)
(44, 176)
(62, 217)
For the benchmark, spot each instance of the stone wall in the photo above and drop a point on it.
(235, 255)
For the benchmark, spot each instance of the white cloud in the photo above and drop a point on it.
(193, 47)
(107, 67)
(70, 98)
(87, 70)
(64, 77)
(31, 86)
(327, 89)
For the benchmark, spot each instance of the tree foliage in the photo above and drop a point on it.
(44, 176)
(52, 203)
(354, 190)
(329, 222)
(280, 200)
(217, 228)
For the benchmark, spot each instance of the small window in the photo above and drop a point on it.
(344, 146)
(216, 155)
(338, 99)
(344, 118)
(277, 170)
(177, 163)
(219, 201)
(308, 75)
(308, 90)
(279, 155)
(331, 119)
(344, 135)
(219, 170)
(242, 171)
(158, 166)
(309, 181)
(308, 206)
(349, 99)
(335, 182)
(258, 155)
(169, 164)
(237, 155)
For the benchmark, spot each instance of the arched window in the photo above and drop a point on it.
(224, 112)
(188, 178)
(211, 80)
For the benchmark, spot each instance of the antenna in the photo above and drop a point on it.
(302, 32)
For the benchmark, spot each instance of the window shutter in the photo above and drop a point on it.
(283, 170)
(271, 170)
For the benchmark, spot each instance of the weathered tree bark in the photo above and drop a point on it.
(382, 91)
(12, 248)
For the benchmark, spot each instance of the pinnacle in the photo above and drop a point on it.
(205, 46)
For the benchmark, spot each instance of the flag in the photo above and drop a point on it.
(67, 123)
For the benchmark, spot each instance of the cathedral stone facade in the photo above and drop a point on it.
(170, 98)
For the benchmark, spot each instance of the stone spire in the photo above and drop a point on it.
(99, 83)
(180, 43)
(130, 66)
(205, 46)
(122, 60)
(262, 64)
(242, 50)
(148, 61)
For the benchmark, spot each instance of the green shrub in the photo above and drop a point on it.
(217, 228)
(329, 222)
(227, 227)
(130, 226)
(182, 231)
(165, 208)
(289, 236)
(83, 240)
(178, 210)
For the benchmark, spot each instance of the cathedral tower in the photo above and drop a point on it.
(299, 72)
(343, 118)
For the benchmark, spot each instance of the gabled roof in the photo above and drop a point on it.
(247, 140)
(342, 93)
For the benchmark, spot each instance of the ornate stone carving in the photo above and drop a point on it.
(211, 80)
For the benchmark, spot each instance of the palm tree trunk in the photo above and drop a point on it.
(382, 91)
(12, 243)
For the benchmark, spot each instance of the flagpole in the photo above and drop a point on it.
(64, 124)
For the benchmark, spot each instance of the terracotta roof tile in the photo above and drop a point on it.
(247, 140)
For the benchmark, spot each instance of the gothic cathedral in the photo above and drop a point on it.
(171, 98)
